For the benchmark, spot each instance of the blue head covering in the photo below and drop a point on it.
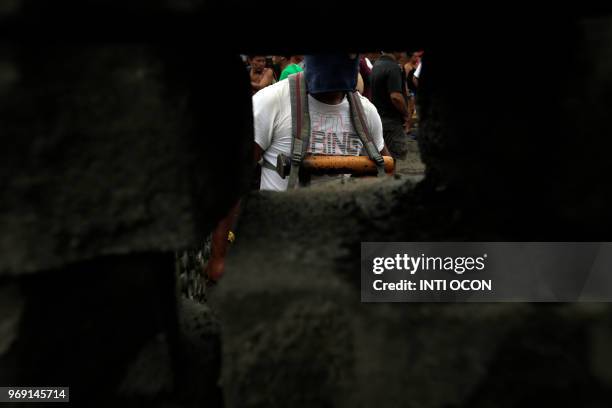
(331, 72)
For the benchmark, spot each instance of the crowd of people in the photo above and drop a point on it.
(388, 79)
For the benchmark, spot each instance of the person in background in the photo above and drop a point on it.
(288, 64)
(359, 87)
(260, 75)
(371, 58)
(365, 71)
(402, 58)
(417, 71)
(417, 74)
(410, 67)
(245, 60)
(389, 97)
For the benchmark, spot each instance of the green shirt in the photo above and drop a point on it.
(290, 69)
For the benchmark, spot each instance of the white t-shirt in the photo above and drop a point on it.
(417, 71)
(331, 130)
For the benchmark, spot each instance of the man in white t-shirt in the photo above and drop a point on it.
(328, 79)
(331, 128)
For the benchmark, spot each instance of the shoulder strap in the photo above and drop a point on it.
(300, 125)
(267, 165)
(362, 129)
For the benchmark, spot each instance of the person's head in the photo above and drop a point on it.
(280, 59)
(419, 55)
(284, 60)
(296, 59)
(327, 73)
(401, 57)
(413, 58)
(372, 56)
(257, 62)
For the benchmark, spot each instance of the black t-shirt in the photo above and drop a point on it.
(404, 84)
(386, 78)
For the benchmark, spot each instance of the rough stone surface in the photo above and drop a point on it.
(112, 160)
(114, 151)
(291, 298)
(273, 355)
(86, 323)
(199, 350)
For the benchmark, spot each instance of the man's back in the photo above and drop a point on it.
(386, 78)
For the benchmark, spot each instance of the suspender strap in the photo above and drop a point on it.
(300, 121)
(267, 165)
(361, 127)
(300, 125)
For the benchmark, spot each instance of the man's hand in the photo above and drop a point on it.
(397, 99)
(222, 236)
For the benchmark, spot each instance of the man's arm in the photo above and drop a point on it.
(223, 235)
(263, 125)
(359, 83)
(257, 153)
(396, 93)
(375, 124)
(399, 102)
